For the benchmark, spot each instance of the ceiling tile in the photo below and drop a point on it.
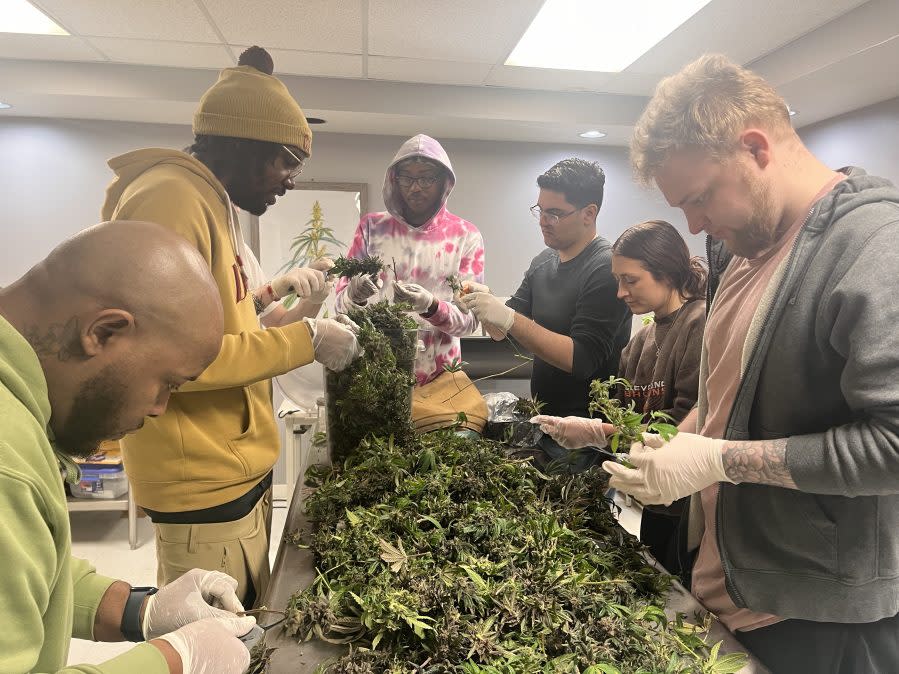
(310, 25)
(634, 84)
(547, 78)
(147, 19)
(433, 72)
(315, 64)
(46, 48)
(733, 27)
(462, 30)
(157, 53)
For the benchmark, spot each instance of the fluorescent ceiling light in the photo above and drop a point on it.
(598, 35)
(593, 133)
(20, 16)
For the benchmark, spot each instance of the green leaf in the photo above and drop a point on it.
(667, 431)
(476, 578)
(602, 668)
(728, 664)
(353, 518)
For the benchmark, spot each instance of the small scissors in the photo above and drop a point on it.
(251, 638)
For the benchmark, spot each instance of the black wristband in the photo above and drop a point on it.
(130, 626)
(435, 305)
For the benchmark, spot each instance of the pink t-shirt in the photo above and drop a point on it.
(736, 302)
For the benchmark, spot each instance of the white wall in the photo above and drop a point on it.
(868, 138)
(54, 173)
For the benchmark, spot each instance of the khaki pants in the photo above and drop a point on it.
(238, 548)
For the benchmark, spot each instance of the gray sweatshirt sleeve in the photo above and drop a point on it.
(860, 320)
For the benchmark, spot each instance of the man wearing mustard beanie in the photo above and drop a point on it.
(203, 470)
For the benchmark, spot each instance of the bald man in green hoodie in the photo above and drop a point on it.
(93, 340)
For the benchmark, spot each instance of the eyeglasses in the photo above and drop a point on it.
(423, 181)
(551, 218)
(298, 169)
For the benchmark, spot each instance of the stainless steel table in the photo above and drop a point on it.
(294, 569)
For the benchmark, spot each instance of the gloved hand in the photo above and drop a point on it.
(667, 471)
(489, 310)
(414, 294)
(334, 341)
(468, 287)
(212, 646)
(299, 281)
(323, 265)
(196, 595)
(574, 432)
(361, 287)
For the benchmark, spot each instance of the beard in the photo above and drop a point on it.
(95, 415)
(759, 232)
(249, 201)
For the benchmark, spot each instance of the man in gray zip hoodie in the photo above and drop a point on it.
(792, 454)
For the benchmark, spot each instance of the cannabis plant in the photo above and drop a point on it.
(443, 555)
(629, 423)
(351, 266)
(374, 393)
(310, 245)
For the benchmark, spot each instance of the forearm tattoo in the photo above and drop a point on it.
(59, 340)
(758, 462)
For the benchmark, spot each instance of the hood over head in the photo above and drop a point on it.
(427, 148)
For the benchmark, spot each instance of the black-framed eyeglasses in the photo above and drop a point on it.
(301, 164)
(423, 181)
(551, 218)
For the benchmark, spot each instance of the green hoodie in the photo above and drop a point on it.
(47, 595)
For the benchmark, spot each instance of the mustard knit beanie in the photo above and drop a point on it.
(249, 102)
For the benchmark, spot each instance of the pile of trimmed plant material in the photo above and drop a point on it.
(443, 555)
(374, 391)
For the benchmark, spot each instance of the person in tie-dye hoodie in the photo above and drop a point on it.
(427, 244)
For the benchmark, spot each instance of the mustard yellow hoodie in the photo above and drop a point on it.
(218, 437)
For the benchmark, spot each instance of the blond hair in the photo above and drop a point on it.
(706, 105)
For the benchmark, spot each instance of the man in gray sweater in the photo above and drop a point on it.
(792, 455)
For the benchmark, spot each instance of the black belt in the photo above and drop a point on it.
(227, 512)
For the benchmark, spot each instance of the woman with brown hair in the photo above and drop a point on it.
(656, 275)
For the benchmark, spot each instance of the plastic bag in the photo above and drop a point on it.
(506, 425)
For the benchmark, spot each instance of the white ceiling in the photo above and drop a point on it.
(402, 66)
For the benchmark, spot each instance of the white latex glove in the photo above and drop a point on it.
(323, 265)
(334, 341)
(468, 287)
(667, 471)
(574, 432)
(212, 646)
(489, 310)
(196, 595)
(420, 298)
(361, 287)
(299, 281)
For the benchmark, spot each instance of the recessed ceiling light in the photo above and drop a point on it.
(598, 36)
(592, 133)
(4, 106)
(20, 16)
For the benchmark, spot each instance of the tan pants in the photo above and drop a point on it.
(238, 548)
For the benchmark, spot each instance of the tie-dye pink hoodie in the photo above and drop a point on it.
(444, 245)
